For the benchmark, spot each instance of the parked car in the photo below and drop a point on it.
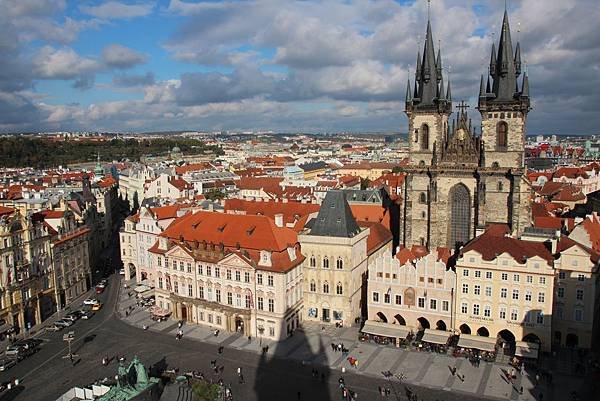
(6, 364)
(90, 301)
(54, 327)
(99, 289)
(104, 282)
(96, 306)
(64, 323)
(13, 350)
(87, 314)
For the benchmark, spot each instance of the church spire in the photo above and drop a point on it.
(481, 88)
(441, 88)
(408, 92)
(505, 79)
(525, 86)
(448, 92)
(518, 59)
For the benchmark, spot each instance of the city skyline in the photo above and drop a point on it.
(310, 66)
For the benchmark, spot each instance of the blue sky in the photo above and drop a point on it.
(337, 65)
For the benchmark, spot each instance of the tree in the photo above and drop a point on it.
(364, 183)
(205, 391)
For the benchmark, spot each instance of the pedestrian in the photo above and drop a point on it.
(333, 347)
(220, 349)
(380, 389)
(249, 339)
(239, 371)
(521, 390)
(241, 379)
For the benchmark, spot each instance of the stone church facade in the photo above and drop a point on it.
(457, 181)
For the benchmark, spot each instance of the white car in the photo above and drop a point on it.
(90, 301)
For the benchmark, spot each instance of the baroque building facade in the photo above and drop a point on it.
(457, 181)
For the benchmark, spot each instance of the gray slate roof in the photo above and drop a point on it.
(335, 218)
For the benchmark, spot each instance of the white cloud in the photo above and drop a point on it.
(119, 56)
(117, 10)
(64, 63)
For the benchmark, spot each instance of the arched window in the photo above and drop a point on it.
(326, 287)
(423, 214)
(460, 215)
(338, 288)
(500, 186)
(424, 137)
(313, 261)
(339, 264)
(325, 262)
(422, 197)
(313, 286)
(502, 132)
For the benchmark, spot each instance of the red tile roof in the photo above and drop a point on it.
(292, 211)
(570, 172)
(107, 182)
(551, 188)
(570, 193)
(6, 210)
(591, 224)
(373, 213)
(269, 184)
(407, 255)
(193, 167)
(565, 243)
(378, 236)
(180, 183)
(491, 244)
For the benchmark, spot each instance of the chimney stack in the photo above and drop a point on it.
(279, 220)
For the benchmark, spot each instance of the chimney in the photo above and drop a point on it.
(210, 207)
(279, 220)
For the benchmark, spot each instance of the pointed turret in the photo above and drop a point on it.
(408, 92)
(481, 88)
(419, 68)
(438, 64)
(449, 93)
(488, 87)
(493, 61)
(525, 86)
(518, 59)
(441, 95)
(506, 77)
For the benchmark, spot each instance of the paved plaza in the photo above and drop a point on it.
(312, 344)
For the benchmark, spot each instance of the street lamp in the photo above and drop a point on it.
(69, 338)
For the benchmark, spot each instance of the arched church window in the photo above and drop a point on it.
(416, 135)
(326, 262)
(502, 131)
(339, 290)
(326, 287)
(424, 137)
(460, 216)
(422, 197)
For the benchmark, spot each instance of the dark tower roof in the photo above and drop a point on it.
(428, 94)
(335, 217)
(505, 68)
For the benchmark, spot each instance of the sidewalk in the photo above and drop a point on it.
(312, 345)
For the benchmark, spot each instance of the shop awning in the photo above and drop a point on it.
(385, 329)
(141, 288)
(527, 350)
(477, 342)
(436, 336)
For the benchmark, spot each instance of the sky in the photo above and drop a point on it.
(311, 66)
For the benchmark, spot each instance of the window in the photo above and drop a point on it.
(398, 299)
(478, 273)
(488, 291)
(181, 266)
(159, 261)
(200, 269)
(259, 278)
(189, 267)
(476, 309)
(488, 275)
(578, 315)
(439, 281)
(259, 302)
(218, 295)
(176, 287)
(270, 280)
(529, 279)
(445, 305)
(541, 297)
(387, 298)
(229, 298)
(515, 294)
(272, 331)
(500, 186)
(313, 261)
(502, 313)
(487, 311)
(504, 276)
(421, 302)
(218, 320)
(562, 275)
(560, 292)
(465, 288)
(325, 263)
(228, 274)
(340, 290)
(514, 314)
(516, 278)
(430, 280)
(542, 280)
(201, 316)
(477, 290)
(579, 294)
(210, 318)
(248, 301)
(528, 295)
(465, 273)
(190, 290)
(503, 293)
(238, 300)
(201, 292)
(540, 318)
(422, 279)
(424, 137)
(502, 134)
(160, 282)
(463, 308)
(326, 287)
(271, 305)
(375, 297)
(208, 271)
(217, 272)
(247, 277)
(339, 264)
(527, 317)
(422, 198)
(581, 277)
(313, 286)
(433, 304)
(238, 275)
